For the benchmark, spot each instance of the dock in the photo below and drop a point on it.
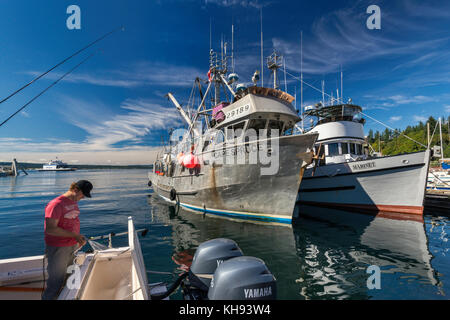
(11, 171)
(438, 201)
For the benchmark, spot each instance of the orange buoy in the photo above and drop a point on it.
(190, 161)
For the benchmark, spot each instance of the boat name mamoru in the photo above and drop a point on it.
(364, 166)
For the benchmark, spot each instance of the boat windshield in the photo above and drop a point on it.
(342, 112)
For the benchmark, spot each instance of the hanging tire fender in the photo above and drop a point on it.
(173, 194)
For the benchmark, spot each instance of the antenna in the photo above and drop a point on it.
(210, 34)
(232, 45)
(342, 86)
(323, 92)
(285, 81)
(440, 134)
(301, 75)
(262, 58)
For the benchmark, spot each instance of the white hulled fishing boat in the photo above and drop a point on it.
(346, 175)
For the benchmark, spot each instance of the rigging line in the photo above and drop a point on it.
(360, 112)
(42, 92)
(60, 63)
(297, 78)
(394, 130)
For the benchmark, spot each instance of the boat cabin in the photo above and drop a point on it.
(252, 110)
(341, 132)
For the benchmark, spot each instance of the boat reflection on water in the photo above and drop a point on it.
(317, 259)
(337, 252)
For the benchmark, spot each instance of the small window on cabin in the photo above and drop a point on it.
(256, 125)
(238, 129)
(352, 148)
(234, 131)
(359, 149)
(220, 137)
(333, 149)
(275, 125)
(344, 147)
(288, 130)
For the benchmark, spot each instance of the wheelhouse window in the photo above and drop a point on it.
(352, 148)
(333, 149)
(359, 149)
(344, 147)
(275, 125)
(235, 131)
(255, 125)
(288, 129)
(219, 137)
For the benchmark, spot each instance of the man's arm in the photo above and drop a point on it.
(53, 230)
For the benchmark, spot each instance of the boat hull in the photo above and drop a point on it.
(240, 190)
(392, 186)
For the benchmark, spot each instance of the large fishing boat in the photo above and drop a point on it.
(239, 158)
(346, 175)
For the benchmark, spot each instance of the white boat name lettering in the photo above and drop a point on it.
(364, 166)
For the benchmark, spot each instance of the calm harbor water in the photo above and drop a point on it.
(315, 259)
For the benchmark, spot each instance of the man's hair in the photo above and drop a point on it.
(74, 187)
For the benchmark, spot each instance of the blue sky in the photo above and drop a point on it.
(112, 109)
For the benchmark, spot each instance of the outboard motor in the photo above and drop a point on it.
(207, 258)
(243, 278)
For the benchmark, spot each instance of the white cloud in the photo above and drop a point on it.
(243, 3)
(105, 130)
(140, 118)
(341, 38)
(395, 118)
(420, 118)
(136, 75)
(447, 109)
(401, 99)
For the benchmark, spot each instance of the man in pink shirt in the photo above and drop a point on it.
(62, 235)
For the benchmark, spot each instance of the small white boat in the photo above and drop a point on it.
(438, 180)
(56, 165)
(106, 274)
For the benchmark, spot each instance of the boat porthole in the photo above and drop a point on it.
(405, 161)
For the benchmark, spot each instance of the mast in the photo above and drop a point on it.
(440, 134)
(274, 63)
(342, 86)
(301, 76)
(323, 92)
(232, 46)
(262, 58)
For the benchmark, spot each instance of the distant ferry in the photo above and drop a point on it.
(346, 176)
(56, 165)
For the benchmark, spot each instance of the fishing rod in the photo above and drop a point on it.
(60, 63)
(42, 92)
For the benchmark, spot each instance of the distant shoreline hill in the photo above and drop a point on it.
(390, 142)
(27, 165)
